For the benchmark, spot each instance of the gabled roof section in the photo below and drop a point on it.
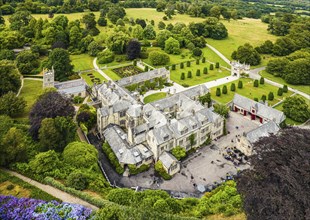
(117, 139)
(167, 159)
(261, 109)
(262, 131)
(156, 73)
(195, 91)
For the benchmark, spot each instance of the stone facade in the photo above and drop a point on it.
(238, 68)
(177, 120)
(69, 88)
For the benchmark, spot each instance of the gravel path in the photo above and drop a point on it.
(65, 197)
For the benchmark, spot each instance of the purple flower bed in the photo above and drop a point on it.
(25, 208)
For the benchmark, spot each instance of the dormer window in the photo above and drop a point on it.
(166, 137)
(253, 110)
(194, 126)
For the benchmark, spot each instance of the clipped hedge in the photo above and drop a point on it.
(112, 158)
(133, 169)
(82, 195)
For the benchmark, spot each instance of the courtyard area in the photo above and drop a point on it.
(204, 167)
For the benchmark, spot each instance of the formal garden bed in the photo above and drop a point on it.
(93, 77)
(142, 88)
(126, 71)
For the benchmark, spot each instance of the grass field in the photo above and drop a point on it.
(302, 88)
(243, 31)
(175, 75)
(111, 74)
(82, 62)
(95, 74)
(248, 91)
(151, 14)
(154, 97)
(11, 185)
(30, 92)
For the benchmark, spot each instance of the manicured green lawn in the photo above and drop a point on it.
(243, 31)
(174, 59)
(31, 90)
(175, 75)
(152, 14)
(111, 74)
(82, 62)
(88, 79)
(302, 88)
(248, 91)
(154, 97)
(187, 55)
(213, 57)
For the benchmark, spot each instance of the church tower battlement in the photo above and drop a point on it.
(48, 78)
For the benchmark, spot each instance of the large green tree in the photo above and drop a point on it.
(11, 105)
(49, 105)
(45, 162)
(14, 146)
(172, 46)
(296, 108)
(133, 49)
(81, 155)
(298, 72)
(116, 13)
(27, 62)
(9, 77)
(161, 38)
(137, 32)
(117, 42)
(247, 54)
(20, 19)
(56, 133)
(90, 24)
(158, 58)
(59, 59)
(149, 32)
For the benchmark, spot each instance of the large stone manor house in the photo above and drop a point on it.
(141, 133)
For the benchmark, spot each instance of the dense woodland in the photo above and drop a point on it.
(45, 145)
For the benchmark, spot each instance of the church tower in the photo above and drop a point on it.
(48, 78)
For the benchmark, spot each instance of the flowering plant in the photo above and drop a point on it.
(26, 208)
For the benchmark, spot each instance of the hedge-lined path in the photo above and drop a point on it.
(100, 71)
(65, 197)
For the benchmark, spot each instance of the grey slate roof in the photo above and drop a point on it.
(125, 153)
(113, 93)
(195, 91)
(135, 110)
(71, 86)
(156, 73)
(162, 134)
(262, 131)
(261, 109)
(167, 159)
